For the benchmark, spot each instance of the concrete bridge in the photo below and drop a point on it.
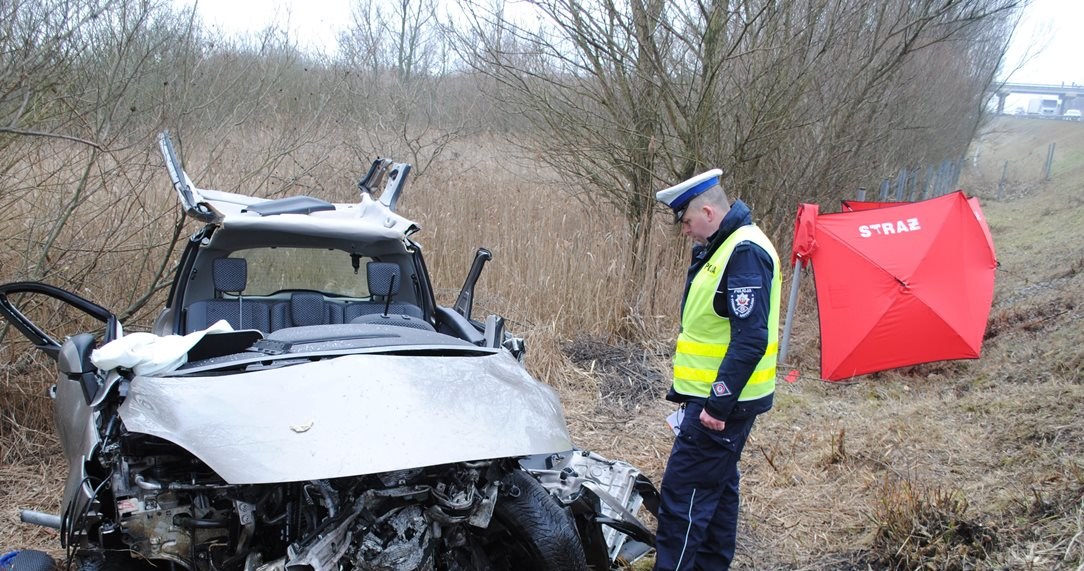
(1066, 93)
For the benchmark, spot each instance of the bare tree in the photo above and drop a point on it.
(398, 36)
(794, 98)
(396, 56)
(588, 77)
(80, 126)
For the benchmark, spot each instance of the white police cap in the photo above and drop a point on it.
(677, 197)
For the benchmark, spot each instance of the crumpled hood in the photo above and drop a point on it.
(351, 415)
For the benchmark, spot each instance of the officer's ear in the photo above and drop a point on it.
(711, 212)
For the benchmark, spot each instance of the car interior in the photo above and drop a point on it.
(301, 308)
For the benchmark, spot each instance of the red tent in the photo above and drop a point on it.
(898, 285)
(855, 205)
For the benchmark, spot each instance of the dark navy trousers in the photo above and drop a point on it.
(698, 513)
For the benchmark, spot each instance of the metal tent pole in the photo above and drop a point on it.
(791, 301)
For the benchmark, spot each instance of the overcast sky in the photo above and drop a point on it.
(1048, 46)
(314, 23)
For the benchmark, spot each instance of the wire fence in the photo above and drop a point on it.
(993, 179)
(918, 183)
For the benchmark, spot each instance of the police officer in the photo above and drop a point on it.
(724, 371)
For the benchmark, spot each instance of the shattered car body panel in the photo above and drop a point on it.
(399, 412)
(347, 423)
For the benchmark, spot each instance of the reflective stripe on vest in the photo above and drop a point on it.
(705, 335)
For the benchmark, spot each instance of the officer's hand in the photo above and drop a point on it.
(710, 421)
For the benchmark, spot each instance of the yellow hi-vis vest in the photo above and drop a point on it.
(705, 335)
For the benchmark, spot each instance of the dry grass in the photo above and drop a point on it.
(916, 527)
(32, 469)
(960, 465)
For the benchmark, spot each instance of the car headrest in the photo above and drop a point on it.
(230, 274)
(306, 308)
(383, 278)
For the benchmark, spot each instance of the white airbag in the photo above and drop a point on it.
(150, 354)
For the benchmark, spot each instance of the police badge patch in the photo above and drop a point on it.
(719, 389)
(742, 300)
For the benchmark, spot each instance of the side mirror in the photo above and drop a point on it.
(74, 362)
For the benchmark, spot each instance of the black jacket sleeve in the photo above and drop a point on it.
(744, 298)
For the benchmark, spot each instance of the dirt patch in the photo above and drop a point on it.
(628, 375)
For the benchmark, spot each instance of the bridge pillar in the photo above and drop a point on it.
(1001, 102)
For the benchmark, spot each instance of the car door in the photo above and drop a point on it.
(78, 380)
(79, 384)
(41, 339)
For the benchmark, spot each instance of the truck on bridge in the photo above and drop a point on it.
(1048, 107)
(1043, 107)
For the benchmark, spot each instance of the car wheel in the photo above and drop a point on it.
(545, 536)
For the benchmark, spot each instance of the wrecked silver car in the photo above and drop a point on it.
(303, 404)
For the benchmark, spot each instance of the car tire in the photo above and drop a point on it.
(545, 532)
(30, 560)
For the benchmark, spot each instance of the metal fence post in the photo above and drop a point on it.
(1049, 162)
(884, 189)
(926, 182)
(901, 184)
(1001, 183)
(939, 176)
(946, 182)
